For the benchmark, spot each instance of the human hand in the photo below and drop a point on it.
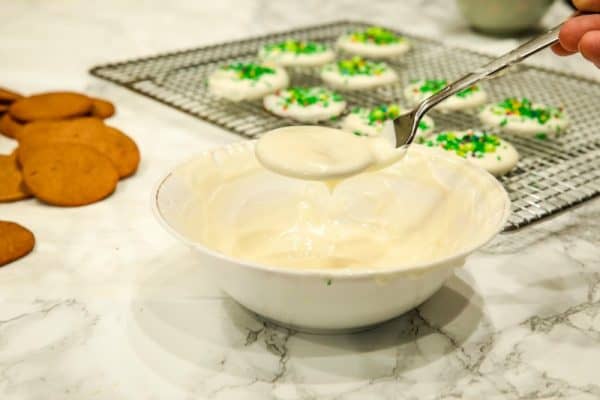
(581, 34)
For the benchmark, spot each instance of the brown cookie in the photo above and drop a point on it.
(15, 242)
(38, 128)
(102, 108)
(124, 151)
(9, 127)
(3, 108)
(49, 106)
(67, 174)
(111, 142)
(12, 187)
(37, 131)
(8, 96)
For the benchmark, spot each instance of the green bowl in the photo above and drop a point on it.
(504, 17)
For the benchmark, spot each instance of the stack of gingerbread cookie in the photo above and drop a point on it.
(67, 155)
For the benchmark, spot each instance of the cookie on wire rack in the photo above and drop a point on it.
(296, 53)
(466, 99)
(246, 81)
(357, 73)
(374, 42)
(312, 104)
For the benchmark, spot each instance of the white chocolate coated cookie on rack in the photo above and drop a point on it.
(522, 117)
(487, 151)
(358, 74)
(469, 98)
(364, 121)
(311, 104)
(374, 42)
(246, 81)
(295, 53)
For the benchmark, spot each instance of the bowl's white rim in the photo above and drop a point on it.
(325, 273)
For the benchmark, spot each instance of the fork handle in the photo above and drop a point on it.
(491, 69)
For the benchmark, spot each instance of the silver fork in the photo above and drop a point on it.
(405, 126)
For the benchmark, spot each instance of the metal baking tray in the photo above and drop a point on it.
(553, 175)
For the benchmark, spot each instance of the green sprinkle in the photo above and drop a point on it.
(249, 71)
(305, 97)
(329, 282)
(541, 136)
(377, 115)
(525, 109)
(359, 66)
(504, 122)
(375, 35)
(295, 47)
(498, 158)
(432, 86)
(358, 133)
(467, 92)
(475, 144)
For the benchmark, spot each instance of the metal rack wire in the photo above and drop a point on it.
(552, 175)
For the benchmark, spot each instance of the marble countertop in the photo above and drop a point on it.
(109, 306)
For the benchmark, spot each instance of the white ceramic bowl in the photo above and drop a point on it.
(325, 300)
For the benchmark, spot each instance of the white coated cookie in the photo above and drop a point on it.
(370, 121)
(374, 42)
(294, 53)
(466, 99)
(522, 117)
(358, 74)
(487, 151)
(311, 104)
(246, 81)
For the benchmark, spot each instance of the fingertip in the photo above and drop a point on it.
(561, 51)
(569, 35)
(589, 46)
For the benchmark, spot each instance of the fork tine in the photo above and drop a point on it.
(405, 127)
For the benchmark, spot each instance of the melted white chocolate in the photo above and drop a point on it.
(429, 206)
(320, 153)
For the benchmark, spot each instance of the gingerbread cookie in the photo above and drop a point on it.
(49, 106)
(15, 242)
(9, 127)
(68, 174)
(125, 152)
(12, 187)
(102, 108)
(39, 132)
(8, 96)
(111, 142)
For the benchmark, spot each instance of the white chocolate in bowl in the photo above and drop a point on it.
(425, 208)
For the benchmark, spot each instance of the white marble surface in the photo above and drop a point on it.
(111, 307)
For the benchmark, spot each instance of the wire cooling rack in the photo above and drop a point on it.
(552, 175)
